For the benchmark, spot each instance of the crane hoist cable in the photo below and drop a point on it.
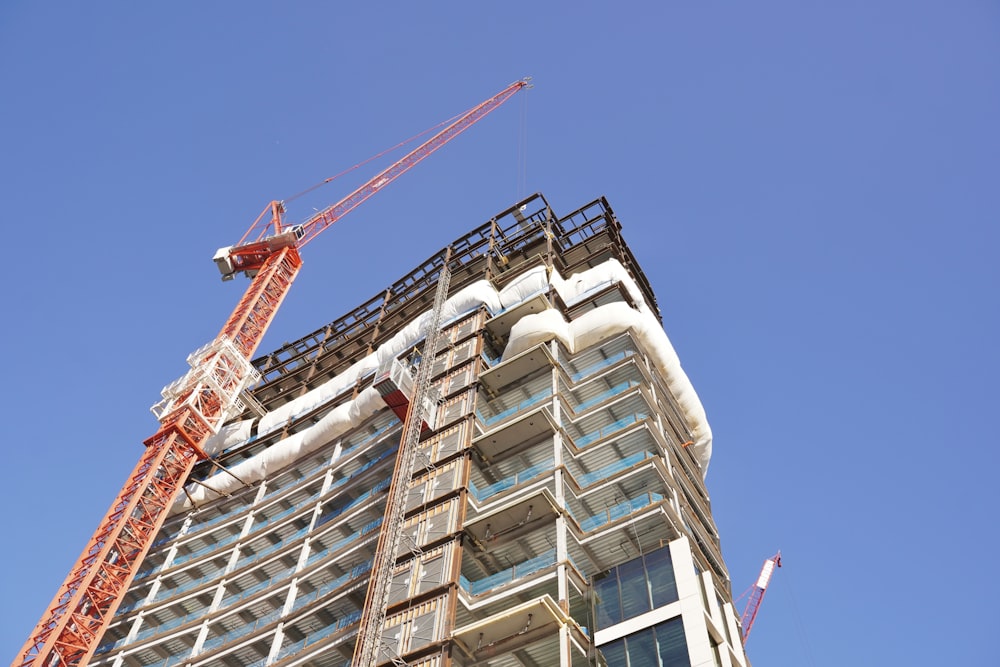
(405, 142)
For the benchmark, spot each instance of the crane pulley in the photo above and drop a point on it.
(193, 408)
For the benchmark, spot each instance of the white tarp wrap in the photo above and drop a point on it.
(540, 327)
(526, 285)
(572, 289)
(228, 435)
(317, 397)
(610, 320)
(469, 298)
(339, 421)
(593, 326)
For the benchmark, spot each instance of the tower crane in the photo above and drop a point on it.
(757, 594)
(193, 408)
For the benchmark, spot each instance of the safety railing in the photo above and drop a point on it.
(247, 592)
(511, 574)
(620, 511)
(208, 548)
(318, 635)
(382, 485)
(609, 470)
(356, 573)
(605, 395)
(169, 625)
(344, 542)
(519, 477)
(490, 361)
(526, 403)
(241, 631)
(240, 509)
(605, 431)
(270, 549)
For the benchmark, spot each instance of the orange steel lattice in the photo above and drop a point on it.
(194, 407)
(86, 601)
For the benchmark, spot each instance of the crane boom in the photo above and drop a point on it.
(757, 596)
(273, 234)
(192, 409)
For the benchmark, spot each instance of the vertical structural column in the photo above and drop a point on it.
(562, 547)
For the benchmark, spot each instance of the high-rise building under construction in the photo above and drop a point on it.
(556, 514)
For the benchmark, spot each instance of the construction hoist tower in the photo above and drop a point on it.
(193, 409)
(369, 648)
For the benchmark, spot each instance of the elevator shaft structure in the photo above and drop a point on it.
(193, 408)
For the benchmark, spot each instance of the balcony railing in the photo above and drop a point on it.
(319, 635)
(513, 480)
(605, 431)
(532, 400)
(519, 571)
(609, 470)
(620, 511)
(356, 573)
(605, 395)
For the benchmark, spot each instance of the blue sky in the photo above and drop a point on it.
(810, 187)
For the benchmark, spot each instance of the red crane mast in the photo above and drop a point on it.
(192, 409)
(757, 594)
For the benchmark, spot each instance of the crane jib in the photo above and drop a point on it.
(194, 407)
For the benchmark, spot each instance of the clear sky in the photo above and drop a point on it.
(811, 188)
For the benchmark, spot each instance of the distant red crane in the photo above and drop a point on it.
(193, 408)
(757, 595)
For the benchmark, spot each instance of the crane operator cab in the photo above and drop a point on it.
(249, 257)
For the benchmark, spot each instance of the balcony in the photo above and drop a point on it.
(510, 575)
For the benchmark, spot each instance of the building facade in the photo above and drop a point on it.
(557, 515)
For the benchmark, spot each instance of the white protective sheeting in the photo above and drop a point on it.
(540, 327)
(228, 435)
(578, 285)
(339, 421)
(313, 399)
(603, 322)
(526, 285)
(610, 320)
(469, 298)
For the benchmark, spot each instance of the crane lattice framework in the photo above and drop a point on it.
(757, 594)
(192, 409)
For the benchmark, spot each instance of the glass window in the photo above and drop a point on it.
(635, 588)
(660, 570)
(672, 643)
(614, 653)
(641, 648)
(662, 645)
(608, 606)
